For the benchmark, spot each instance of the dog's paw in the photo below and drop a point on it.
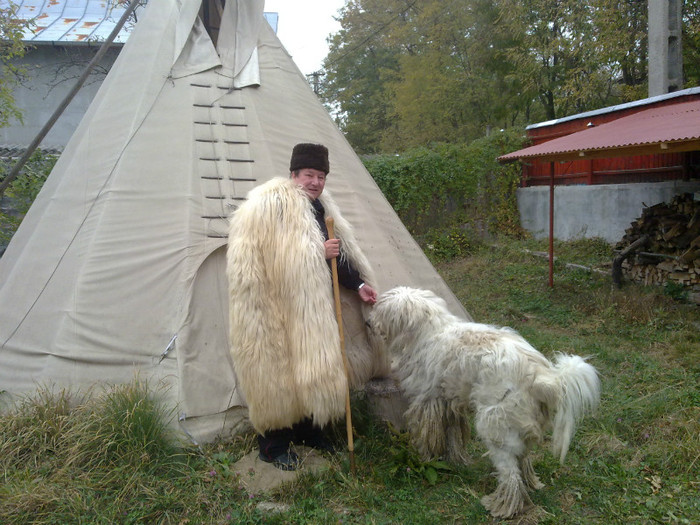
(509, 498)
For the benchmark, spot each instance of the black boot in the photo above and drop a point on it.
(274, 448)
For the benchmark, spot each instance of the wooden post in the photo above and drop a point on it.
(339, 317)
(551, 224)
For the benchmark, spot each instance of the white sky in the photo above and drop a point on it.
(303, 27)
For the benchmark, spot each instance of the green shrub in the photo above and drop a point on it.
(445, 245)
(676, 291)
(21, 192)
(446, 185)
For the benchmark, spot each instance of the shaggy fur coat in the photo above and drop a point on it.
(283, 330)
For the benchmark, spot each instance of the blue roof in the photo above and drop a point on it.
(70, 21)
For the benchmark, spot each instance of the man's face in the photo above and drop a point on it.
(313, 181)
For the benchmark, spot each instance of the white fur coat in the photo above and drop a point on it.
(283, 330)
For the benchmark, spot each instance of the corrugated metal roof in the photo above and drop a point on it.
(617, 107)
(71, 21)
(663, 129)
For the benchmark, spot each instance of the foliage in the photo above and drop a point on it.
(634, 462)
(404, 73)
(360, 51)
(691, 42)
(444, 245)
(447, 185)
(676, 290)
(622, 29)
(11, 48)
(450, 88)
(406, 460)
(21, 193)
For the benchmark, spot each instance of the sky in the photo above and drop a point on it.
(303, 27)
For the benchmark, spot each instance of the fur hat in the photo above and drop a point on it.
(309, 156)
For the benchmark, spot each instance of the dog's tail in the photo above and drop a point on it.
(579, 393)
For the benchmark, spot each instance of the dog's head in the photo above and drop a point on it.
(402, 313)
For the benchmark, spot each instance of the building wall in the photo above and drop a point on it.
(52, 72)
(604, 210)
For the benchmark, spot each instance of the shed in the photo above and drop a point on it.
(603, 173)
(631, 166)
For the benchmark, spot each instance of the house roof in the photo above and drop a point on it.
(664, 129)
(79, 21)
(71, 21)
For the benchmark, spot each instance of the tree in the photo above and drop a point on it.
(691, 43)
(407, 72)
(452, 87)
(11, 48)
(358, 66)
(620, 29)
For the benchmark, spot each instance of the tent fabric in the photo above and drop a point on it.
(663, 129)
(117, 271)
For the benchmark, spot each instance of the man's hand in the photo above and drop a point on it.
(368, 294)
(332, 247)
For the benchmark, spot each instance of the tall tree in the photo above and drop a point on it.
(408, 72)
(358, 66)
(550, 52)
(452, 86)
(620, 32)
(11, 48)
(691, 43)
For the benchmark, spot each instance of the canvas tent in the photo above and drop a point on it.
(118, 268)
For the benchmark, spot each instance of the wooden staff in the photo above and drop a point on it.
(339, 317)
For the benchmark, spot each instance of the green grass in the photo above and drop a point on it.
(111, 459)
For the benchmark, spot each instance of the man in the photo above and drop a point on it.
(284, 335)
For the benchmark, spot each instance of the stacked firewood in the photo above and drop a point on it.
(672, 251)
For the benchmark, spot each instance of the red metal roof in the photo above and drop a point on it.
(664, 129)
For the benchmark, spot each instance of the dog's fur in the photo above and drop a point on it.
(447, 367)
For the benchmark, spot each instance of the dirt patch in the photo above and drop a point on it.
(259, 477)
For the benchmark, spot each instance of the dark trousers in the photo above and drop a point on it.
(277, 441)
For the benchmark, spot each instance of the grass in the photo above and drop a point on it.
(111, 458)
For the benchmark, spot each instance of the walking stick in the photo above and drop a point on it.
(339, 317)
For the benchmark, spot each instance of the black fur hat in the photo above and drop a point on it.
(309, 156)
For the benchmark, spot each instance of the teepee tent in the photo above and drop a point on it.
(118, 268)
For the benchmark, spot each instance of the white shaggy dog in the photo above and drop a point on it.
(448, 367)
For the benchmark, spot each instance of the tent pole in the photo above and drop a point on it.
(68, 98)
(551, 224)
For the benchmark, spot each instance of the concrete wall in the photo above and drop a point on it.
(604, 210)
(51, 73)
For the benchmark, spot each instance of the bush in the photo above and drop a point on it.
(21, 192)
(445, 245)
(446, 185)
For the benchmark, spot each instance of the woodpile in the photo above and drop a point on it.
(672, 251)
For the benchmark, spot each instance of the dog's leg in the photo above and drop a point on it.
(426, 423)
(510, 496)
(457, 434)
(505, 447)
(529, 475)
